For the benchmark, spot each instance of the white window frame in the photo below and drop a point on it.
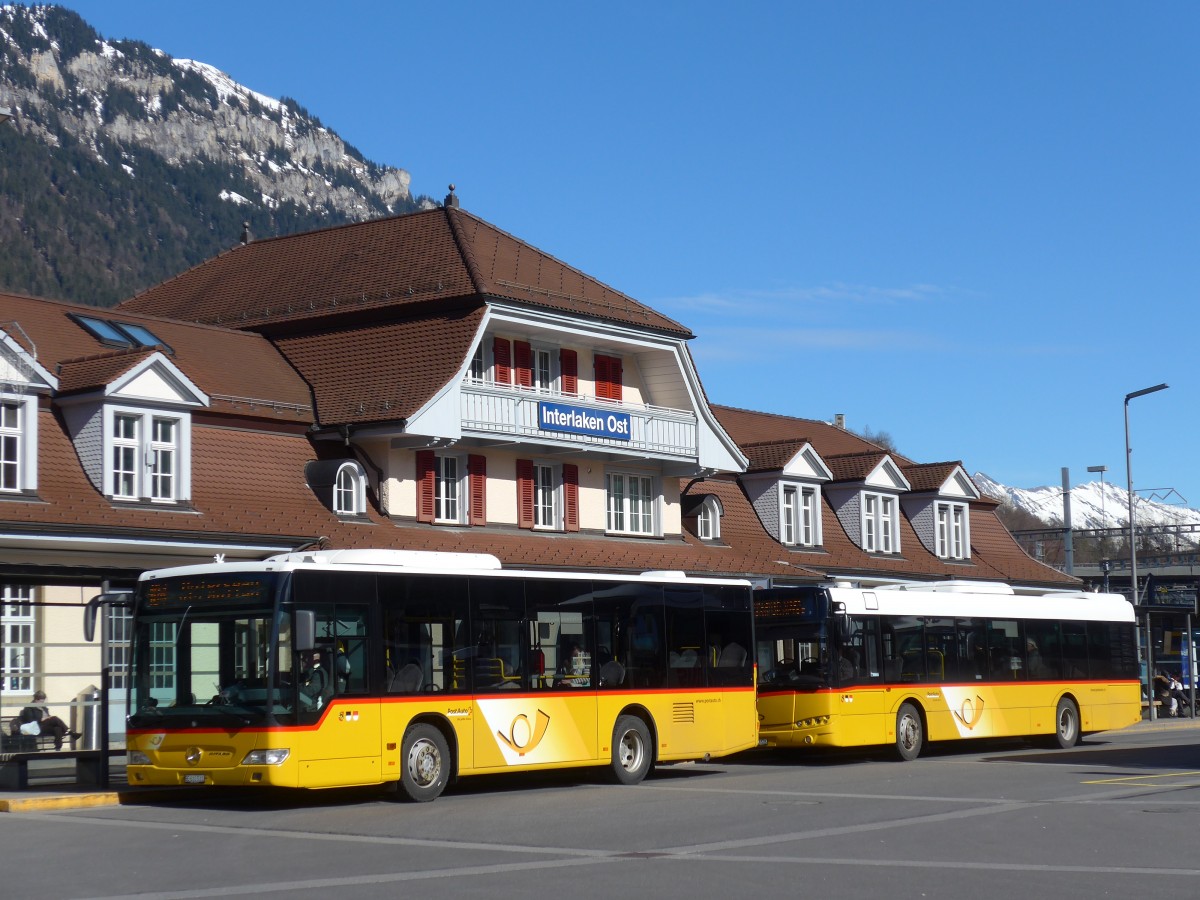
(163, 458)
(953, 531)
(450, 487)
(545, 378)
(708, 520)
(18, 625)
(788, 509)
(631, 512)
(880, 523)
(120, 640)
(349, 490)
(478, 371)
(547, 496)
(810, 517)
(141, 466)
(18, 446)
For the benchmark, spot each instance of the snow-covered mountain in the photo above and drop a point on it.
(1093, 505)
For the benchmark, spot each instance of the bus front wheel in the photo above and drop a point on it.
(1066, 728)
(425, 763)
(910, 732)
(631, 753)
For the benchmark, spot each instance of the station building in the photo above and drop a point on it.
(427, 382)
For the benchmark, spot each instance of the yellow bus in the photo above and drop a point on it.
(357, 667)
(903, 664)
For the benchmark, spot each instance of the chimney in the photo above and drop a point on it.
(246, 233)
(839, 420)
(451, 200)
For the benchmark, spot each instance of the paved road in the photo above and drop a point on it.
(1117, 816)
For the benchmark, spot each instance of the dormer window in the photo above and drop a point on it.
(11, 439)
(708, 520)
(799, 523)
(349, 490)
(952, 526)
(880, 524)
(144, 450)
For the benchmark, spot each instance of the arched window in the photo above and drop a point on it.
(349, 493)
(708, 520)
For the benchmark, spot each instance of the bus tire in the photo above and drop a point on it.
(1066, 723)
(631, 750)
(910, 732)
(424, 763)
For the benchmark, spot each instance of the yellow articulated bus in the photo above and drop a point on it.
(357, 667)
(908, 663)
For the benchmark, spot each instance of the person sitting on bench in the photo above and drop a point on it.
(47, 724)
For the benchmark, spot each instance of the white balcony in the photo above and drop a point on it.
(499, 411)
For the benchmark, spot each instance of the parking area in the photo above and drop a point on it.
(990, 821)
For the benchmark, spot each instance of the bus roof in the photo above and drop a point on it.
(423, 562)
(990, 604)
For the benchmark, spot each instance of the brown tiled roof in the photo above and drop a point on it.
(747, 426)
(771, 456)
(929, 476)
(434, 255)
(853, 466)
(232, 367)
(381, 372)
(767, 438)
(93, 372)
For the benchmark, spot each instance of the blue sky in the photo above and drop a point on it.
(970, 225)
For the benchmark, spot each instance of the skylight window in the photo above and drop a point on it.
(120, 334)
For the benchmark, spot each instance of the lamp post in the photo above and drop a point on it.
(1133, 572)
(1101, 470)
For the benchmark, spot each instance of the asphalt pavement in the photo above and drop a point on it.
(52, 785)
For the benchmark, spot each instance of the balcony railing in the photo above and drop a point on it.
(653, 430)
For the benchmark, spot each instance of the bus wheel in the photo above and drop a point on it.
(631, 754)
(1066, 720)
(425, 761)
(910, 733)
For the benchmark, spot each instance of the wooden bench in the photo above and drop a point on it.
(14, 767)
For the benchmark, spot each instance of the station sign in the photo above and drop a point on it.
(571, 419)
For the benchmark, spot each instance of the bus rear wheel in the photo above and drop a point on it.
(910, 732)
(424, 763)
(1066, 727)
(631, 754)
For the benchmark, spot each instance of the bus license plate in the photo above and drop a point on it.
(194, 779)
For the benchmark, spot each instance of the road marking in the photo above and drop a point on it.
(1149, 780)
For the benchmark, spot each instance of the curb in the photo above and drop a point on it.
(60, 801)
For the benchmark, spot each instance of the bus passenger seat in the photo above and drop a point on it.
(612, 673)
(407, 680)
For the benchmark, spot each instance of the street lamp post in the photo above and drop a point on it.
(1133, 572)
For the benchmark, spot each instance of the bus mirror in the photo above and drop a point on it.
(842, 619)
(89, 618)
(91, 612)
(306, 630)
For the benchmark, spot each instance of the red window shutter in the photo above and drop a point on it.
(502, 357)
(477, 478)
(608, 377)
(570, 477)
(523, 355)
(524, 493)
(568, 362)
(425, 485)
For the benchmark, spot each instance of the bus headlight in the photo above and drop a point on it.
(266, 757)
(137, 758)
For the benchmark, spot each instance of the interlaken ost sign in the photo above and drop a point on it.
(581, 420)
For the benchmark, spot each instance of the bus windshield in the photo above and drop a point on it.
(206, 651)
(793, 638)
